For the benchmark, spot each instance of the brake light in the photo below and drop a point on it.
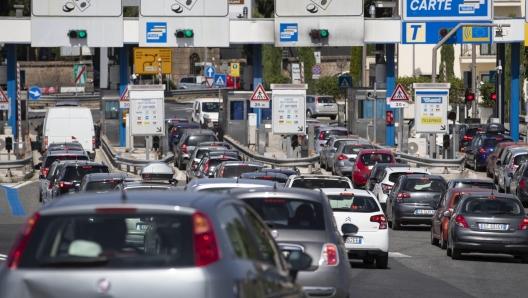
(482, 151)
(222, 173)
(480, 128)
(18, 247)
(86, 167)
(402, 195)
(206, 167)
(65, 184)
(381, 219)
(274, 201)
(44, 171)
(321, 136)
(346, 194)
(316, 100)
(513, 167)
(523, 225)
(206, 249)
(522, 184)
(461, 221)
(74, 138)
(214, 144)
(46, 142)
(93, 143)
(386, 187)
(342, 157)
(243, 165)
(110, 181)
(184, 149)
(266, 177)
(329, 255)
(498, 139)
(224, 159)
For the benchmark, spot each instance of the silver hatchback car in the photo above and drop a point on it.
(194, 245)
(321, 105)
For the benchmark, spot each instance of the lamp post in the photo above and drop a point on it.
(341, 64)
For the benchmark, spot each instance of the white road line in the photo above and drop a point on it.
(3, 257)
(398, 255)
(18, 185)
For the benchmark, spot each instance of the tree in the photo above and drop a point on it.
(7, 9)
(265, 7)
(306, 55)
(356, 65)
(447, 54)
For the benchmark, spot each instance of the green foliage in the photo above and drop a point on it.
(485, 91)
(407, 84)
(7, 9)
(328, 86)
(271, 62)
(447, 54)
(265, 8)
(306, 55)
(356, 65)
(171, 82)
(130, 11)
(456, 93)
(275, 79)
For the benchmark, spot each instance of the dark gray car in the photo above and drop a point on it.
(195, 245)
(302, 220)
(207, 166)
(413, 199)
(488, 223)
(327, 153)
(187, 142)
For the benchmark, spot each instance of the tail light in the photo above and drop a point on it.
(316, 100)
(44, 171)
(467, 138)
(482, 151)
(184, 149)
(65, 184)
(321, 136)
(266, 177)
(206, 167)
(18, 247)
(401, 196)
(93, 143)
(205, 247)
(461, 221)
(74, 138)
(522, 184)
(523, 225)
(386, 187)
(222, 173)
(342, 157)
(329, 255)
(348, 133)
(381, 219)
(46, 142)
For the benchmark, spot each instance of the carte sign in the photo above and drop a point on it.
(146, 117)
(431, 106)
(447, 10)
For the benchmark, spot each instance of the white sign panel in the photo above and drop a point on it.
(289, 112)
(146, 117)
(314, 8)
(399, 104)
(77, 8)
(431, 106)
(184, 8)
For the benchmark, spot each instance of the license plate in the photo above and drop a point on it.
(354, 240)
(142, 227)
(424, 211)
(499, 227)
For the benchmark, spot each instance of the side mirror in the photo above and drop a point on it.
(498, 162)
(349, 229)
(298, 261)
(398, 160)
(510, 175)
(447, 213)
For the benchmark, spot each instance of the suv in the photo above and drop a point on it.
(346, 155)
(47, 184)
(102, 182)
(72, 174)
(188, 141)
(365, 160)
(191, 83)
(207, 166)
(233, 169)
(318, 181)
(321, 105)
(481, 146)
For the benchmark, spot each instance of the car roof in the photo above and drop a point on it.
(208, 99)
(405, 169)
(518, 151)
(196, 131)
(470, 180)
(62, 152)
(465, 190)
(392, 165)
(312, 176)
(105, 176)
(495, 136)
(227, 181)
(333, 128)
(507, 144)
(282, 171)
(332, 191)
(84, 163)
(491, 193)
(262, 174)
(419, 176)
(368, 151)
(184, 125)
(289, 193)
(241, 162)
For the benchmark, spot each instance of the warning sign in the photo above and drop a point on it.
(399, 94)
(259, 99)
(4, 102)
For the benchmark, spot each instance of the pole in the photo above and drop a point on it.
(474, 79)
(445, 72)
(302, 72)
(19, 104)
(374, 114)
(413, 54)
(346, 109)
(499, 93)
(364, 66)
(147, 145)
(160, 78)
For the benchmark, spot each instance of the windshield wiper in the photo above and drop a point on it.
(75, 262)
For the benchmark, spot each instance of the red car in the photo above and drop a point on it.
(233, 82)
(490, 162)
(365, 160)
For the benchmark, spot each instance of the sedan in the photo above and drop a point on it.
(481, 147)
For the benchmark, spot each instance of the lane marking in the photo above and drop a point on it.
(20, 184)
(14, 202)
(398, 255)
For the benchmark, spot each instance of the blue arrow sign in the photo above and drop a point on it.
(344, 82)
(220, 80)
(210, 71)
(35, 93)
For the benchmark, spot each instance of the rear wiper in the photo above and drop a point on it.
(75, 262)
(502, 212)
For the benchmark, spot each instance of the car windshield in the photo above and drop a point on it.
(284, 213)
(77, 173)
(101, 186)
(326, 100)
(371, 159)
(423, 184)
(51, 159)
(103, 240)
(211, 107)
(355, 148)
(195, 139)
(493, 142)
(487, 185)
(55, 147)
(350, 203)
(394, 176)
(492, 205)
(519, 159)
(234, 171)
(335, 132)
(320, 183)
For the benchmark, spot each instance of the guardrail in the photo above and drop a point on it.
(274, 162)
(25, 163)
(132, 165)
(429, 162)
(184, 92)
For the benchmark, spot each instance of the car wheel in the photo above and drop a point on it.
(506, 188)
(181, 166)
(309, 114)
(40, 197)
(332, 117)
(396, 225)
(475, 167)
(434, 241)
(455, 253)
(382, 262)
(441, 242)
(368, 261)
(524, 258)
(448, 250)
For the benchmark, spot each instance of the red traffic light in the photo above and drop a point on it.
(494, 96)
(470, 96)
(443, 32)
(314, 33)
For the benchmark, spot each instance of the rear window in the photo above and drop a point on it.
(53, 147)
(320, 183)
(493, 142)
(195, 139)
(492, 206)
(326, 100)
(103, 240)
(77, 173)
(394, 176)
(420, 185)
(351, 203)
(371, 159)
(51, 159)
(237, 170)
(101, 186)
(354, 149)
(336, 132)
(475, 185)
(293, 214)
(211, 107)
(519, 159)
(472, 131)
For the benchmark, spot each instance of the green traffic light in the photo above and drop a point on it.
(324, 33)
(189, 33)
(82, 34)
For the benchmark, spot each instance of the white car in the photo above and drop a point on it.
(386, 179)
(368, 238)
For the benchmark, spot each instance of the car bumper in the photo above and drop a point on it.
(359, 178)
(325, 113)
(406, 214)
(374, 243)
(344, 169)
(495, 245)
(327, 281)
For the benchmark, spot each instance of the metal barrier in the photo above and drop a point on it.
(184, 92)
(25, 164)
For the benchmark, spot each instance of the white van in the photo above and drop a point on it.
(206, 106)
(69, 124)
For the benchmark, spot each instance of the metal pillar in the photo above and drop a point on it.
(123, 83)
(12, 85)
(390, 85)
(257, 75)
(474, 80)
(515, 99)
(501, 50)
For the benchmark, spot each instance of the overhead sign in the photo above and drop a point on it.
(235, 69)
(34, 93)
(210, 71)
(431, 33)
(289, 32)
(259, 98)
(344, 82)
(431, 108)
(399, 94)
(146, 60)
(289, 111)
(156, 32)
(184, 8)
(124, 100)
(4, 102)
(79, 74)
(314, 8)
(447, 10)
(77, 8)
(147, 110)
(220, 80)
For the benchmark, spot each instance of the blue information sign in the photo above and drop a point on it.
(289, 32)
(433, 32)
(344, 82)
(35, 93)
(220, 80)
(210, 71)
(447, 10)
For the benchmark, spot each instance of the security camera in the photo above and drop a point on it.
(369, 94)
(498, 68)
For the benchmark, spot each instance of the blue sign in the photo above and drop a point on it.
(344, 82)
(210, 71)
(447, 10)
(156, 32)
(289, 32)
(433, 32)
(220, 80)
(35, 93)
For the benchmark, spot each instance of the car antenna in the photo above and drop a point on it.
(275, 186)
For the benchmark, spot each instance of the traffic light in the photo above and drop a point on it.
(442, 32)
(493, 96)
(184, 33)
(78, 34)
(319, 33)
(470, 96)
(9, 144)
(155, 142)
(446, 141)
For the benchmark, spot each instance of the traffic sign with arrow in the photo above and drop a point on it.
(35, 93)
(210, 71)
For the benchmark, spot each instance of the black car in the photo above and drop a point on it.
(176, 130)
(488, 223)
(208, 165)
(271, 176)
(65, 146)
(468, 136)
(470, 183)
(72, 174)
(481, 147)
(215, 144)
(286, 172)
(377, 169)
(102, 182)
(413, 199)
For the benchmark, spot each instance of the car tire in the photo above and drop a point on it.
(396, 225)
(368, 261)
(506, 188)
(309, 114)
(181, 167)
(382, 261)
(475, 167)
(332, 117)
(434, 241)
(40, 197)
(441, 242)
(455, 253)
(448, 250)
(524, 258)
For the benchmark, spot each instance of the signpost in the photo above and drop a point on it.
(259, 98)
(34, 93)
(146, 60)
(289, 108)
(316, 71)
(124, 100)
(431, 106)
(220, 80)
(344, 82)
(399, 98)
(79, 74)
(235, 69)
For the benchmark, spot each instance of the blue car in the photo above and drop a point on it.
(481, 147)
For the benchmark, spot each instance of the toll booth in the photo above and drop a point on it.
(361, 113)
(233, 116)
